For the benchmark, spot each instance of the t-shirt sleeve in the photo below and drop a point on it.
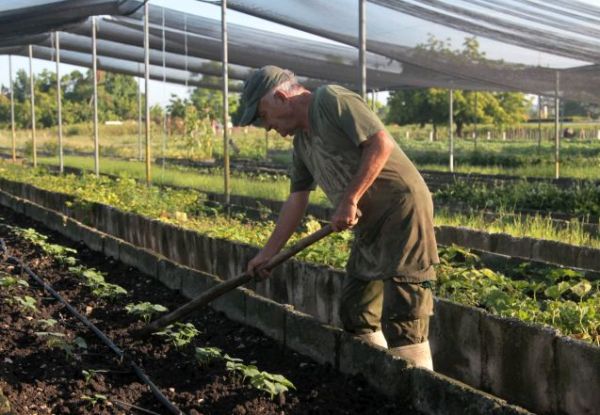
(353, 116)
(300, 177)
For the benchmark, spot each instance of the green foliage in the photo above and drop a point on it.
(57, 340)
(94, 399)
(10, 283)
(45, 324)
(145, 310)
(89, 374)
(273, 384)
(26, 304)
(179, 334)
(60, 253)
(206, 355)
(94, 279)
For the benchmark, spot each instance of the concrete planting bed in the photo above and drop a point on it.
(525, 364)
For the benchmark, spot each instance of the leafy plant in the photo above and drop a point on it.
(145, 310)
(94, 399)
(179, 334)
(205, 355)
(56, 340)
(26, 304)
(273, 384)
(89, 374)
(46, 323)
(9, 283)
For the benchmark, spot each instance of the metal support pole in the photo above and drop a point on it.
(362, 47)
(12, 110)
(164, 80)
(476, 120)
(146, 90)
(556, 128)
(139, 98)
(227, 189)
(61, 165)
(95, 78)
(539, 135)
(32, 93)
(450, 134)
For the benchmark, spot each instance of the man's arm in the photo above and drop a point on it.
(289, 219)
(375, 152)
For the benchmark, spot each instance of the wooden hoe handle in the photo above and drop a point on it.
(218, 290)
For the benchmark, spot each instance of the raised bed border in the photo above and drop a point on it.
(485, 357)
(427, 391)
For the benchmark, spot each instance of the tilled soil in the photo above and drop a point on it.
(38, 379)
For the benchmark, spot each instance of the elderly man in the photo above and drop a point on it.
(343, 147)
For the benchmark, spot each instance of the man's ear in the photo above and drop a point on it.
(280, 95)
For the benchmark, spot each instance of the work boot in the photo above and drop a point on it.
(375, 338)
(419, 354)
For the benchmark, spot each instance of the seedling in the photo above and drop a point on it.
(273, 384)
(91, 373)
(46, 323)
(94, 399)
(10, 283)
(180, 334)
(107, 290)
(56, 340)
(145, 310)
(206, 355)
(26, 304)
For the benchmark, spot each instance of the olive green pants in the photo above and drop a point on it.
(400, 309)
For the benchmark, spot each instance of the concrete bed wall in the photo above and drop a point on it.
(427, 391)
(519, 362)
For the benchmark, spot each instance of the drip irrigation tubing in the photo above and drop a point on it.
(107, 341)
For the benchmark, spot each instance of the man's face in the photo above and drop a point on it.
(276, 113)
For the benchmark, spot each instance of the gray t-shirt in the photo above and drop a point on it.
(395, 235)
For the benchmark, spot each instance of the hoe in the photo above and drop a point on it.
(218, 290)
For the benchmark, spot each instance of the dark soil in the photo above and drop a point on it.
(38, 379)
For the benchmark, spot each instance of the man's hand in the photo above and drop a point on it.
(345, 216)
(255, 263)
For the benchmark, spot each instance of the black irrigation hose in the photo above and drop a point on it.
(120, 353)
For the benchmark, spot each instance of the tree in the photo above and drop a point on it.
(431, 106)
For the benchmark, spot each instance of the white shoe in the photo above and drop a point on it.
(377, 338)
(419, 354)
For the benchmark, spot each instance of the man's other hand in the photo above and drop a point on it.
(257, 262)
(345, 216)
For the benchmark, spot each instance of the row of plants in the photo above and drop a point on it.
(126, 194)
(178, 334)
(581, 199)
(559, 297)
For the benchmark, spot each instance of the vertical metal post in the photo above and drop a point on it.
(476, 120)
(139, 98)
(164, 80)
(95, 79)
(146, 89)
(450, 134)
(225, 102)
(12, 110)
(556, 128)
(539, 135)
(362, 46)
(32, 93)
(61, 165)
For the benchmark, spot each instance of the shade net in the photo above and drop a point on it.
(521, 45)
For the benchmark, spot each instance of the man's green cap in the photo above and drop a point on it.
(256, 86)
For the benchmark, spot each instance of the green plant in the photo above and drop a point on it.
(179, 334)
(57, 340)
(145, 310)
(205, 355)
(95, 280)
(10, 283)
(26, 304)
(89, 374)
(273, 384)
(93, 400)
(46, 323)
